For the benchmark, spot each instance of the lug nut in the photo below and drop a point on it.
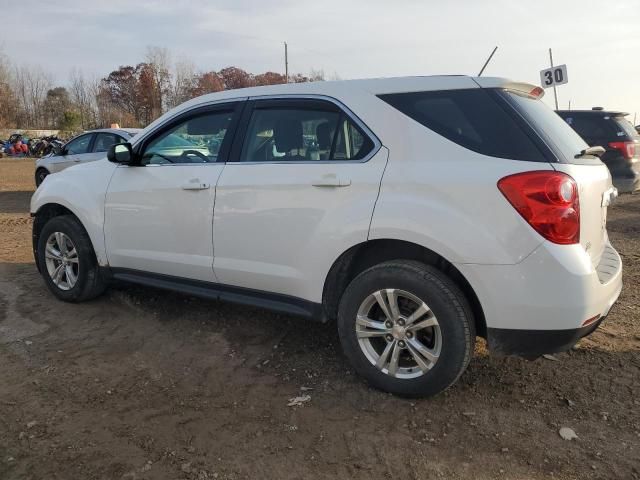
(409, 334)
(389, 338)
(388, 324)
(401, 322)
(401, 344)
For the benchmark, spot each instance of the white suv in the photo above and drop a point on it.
(415, 212)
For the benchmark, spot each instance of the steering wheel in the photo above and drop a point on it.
(201, 155)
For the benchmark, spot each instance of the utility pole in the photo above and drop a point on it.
(487, 62)
(286, 63)
(555, 93)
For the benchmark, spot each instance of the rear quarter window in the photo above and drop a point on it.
(472, 118)
(626, 126)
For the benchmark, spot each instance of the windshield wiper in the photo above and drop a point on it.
(591, 152)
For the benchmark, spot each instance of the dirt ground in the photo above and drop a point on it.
(142, 384)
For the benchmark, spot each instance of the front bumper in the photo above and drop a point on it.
(541, 304)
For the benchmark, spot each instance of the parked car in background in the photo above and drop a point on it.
(86, 147)
(417, 213)
(612, 131)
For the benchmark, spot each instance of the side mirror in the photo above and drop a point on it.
(120, 153)
(57, 150)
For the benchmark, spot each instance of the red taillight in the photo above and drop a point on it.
(548, 201)
(628, 149)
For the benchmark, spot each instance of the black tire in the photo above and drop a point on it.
(89, 282)
(445, 300)
(41, 173)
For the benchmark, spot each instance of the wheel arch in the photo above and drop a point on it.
(45, 213)
(372, 252)
(40, 168)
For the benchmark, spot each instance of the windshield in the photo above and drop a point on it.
(548, 124)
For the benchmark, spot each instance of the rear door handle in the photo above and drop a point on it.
(195, 184)
(331, 180)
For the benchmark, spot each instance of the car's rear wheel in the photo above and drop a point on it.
(41, 173)
(67, 260)
(407, 328)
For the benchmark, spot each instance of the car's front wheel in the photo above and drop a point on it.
(41, 174)
(407, 328)
(67, 260)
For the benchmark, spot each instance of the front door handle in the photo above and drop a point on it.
(195, 184)
(331, 180)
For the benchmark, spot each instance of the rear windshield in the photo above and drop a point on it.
(473, 118)
(594, 129)
(549, 125)
(598, 128)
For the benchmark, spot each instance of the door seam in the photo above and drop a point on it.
(375, 203)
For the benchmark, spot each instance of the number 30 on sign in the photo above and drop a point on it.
(550, 77)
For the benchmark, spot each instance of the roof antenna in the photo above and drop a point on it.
(487, 62)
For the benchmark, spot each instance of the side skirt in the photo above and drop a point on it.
(228, 293)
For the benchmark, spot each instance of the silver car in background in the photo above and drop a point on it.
(86, 147)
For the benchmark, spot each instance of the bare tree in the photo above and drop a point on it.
(158, 61)
(316, 75)
(184, 83)
(8, 101)
(30, 85)
(83, 92)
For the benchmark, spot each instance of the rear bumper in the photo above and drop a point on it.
(534, 343)
(541, 304)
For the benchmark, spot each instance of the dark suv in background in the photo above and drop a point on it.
(617, 135)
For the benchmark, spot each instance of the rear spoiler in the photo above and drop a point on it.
(528, 89)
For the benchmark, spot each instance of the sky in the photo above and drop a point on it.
(599, 41)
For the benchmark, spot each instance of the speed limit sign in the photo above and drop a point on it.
(554, 76)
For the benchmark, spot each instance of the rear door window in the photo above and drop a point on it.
(79, 145)
(472, 118)
(302, 131)
(105, 140)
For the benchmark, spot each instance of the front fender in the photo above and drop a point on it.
(80, 189)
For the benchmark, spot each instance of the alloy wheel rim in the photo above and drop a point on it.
(61, 258)
(398, 333)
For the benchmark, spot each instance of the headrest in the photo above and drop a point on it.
(323, 134)
(288, 134)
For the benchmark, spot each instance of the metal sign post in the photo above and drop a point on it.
(286, 63)
(555, 92)
(554, 76)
